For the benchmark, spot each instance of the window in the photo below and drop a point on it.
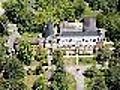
(58, 40)
(99, 31)
(98, 39)
(104, 39)
(90, 39)
(80, 45)
(73, 45)
(85, 46)
(83, 40)
(50, 41)
(86, 41)
(70, 40)
(94, 40)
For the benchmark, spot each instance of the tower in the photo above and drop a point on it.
(89, 24)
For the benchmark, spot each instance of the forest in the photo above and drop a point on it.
(26, 68)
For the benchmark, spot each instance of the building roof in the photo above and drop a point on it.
(77, 34)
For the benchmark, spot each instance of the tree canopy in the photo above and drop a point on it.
(59, 80)
(106, 76)
(104, 5)
(31, 15)
(111, 22)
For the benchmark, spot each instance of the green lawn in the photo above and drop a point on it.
(70, 61)
(87, 61)
(71, 82)
(29, 80)
(82, 61)
(87, 83)
(29, 36)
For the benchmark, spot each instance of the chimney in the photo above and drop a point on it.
(89, 24)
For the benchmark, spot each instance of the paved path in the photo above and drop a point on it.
(77, 73)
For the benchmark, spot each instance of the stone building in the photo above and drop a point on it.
(79, 37)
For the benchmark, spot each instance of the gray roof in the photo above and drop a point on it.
(77, 34)
(49, 30)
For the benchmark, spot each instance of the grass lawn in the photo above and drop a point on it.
(87, 61)
(82, 61)
(70, 61)
(29, 36)
(29, 80)
(88, 84)
(71, 82)
(34, 64)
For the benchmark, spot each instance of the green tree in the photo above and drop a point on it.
(12, 85)
(54, 10)
(111, 22)
(25, 52)
(13, 69)
(96, 79)
(103, 56)
(112, 79)
(40, 53)
(2, 54)
(102, 76)
(59, 80)
(20, 12)
(31, 15)
(79, 6)
(2, 63)
(104, 5)
(12, 75)
(40, 83)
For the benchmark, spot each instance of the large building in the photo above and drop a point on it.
(79, 37)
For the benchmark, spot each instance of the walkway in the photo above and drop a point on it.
(77, 73)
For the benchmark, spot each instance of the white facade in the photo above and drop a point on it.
(84, 40)
(82, 43)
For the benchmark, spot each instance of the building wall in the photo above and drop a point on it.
(85, 40)
(84, 44)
